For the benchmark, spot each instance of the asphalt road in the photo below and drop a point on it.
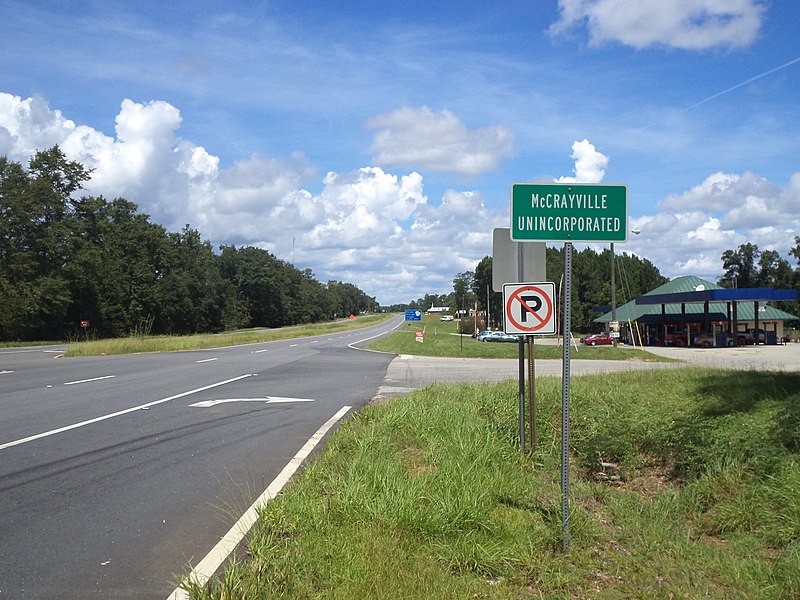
(113, 480)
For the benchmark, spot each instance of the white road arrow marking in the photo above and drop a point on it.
(265, 400)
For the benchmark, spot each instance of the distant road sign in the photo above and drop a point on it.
(569, 212)
(413, 315)
(529, 308)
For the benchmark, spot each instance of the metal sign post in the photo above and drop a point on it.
(565, 393)
(532, 394)
(520, 274)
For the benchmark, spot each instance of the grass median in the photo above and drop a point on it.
(442, 339)
(684, 485)
(165, 343)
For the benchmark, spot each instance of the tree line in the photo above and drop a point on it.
(749, 267)
(67, 260)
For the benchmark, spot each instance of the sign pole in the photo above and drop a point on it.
(532, 393)
(521, 393)
(565, 392)
(520, 273)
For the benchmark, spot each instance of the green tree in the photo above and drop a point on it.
(463, 296)
(774, 271)
(741, 267)
(34, 244)
(254, 275)
(482, 288)
(196, 284)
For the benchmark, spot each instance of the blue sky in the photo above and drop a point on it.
(376, 142)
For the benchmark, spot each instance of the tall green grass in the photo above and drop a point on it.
(428, 496)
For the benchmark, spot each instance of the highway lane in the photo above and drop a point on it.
(116, 508)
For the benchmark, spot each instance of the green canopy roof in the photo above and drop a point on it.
(718, 311)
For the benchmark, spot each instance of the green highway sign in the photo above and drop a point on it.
(569, 212)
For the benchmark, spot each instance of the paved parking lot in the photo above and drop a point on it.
(406, 372)
(785, 357)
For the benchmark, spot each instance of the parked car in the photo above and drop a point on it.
(597, 339)
(748, 337)
(500, 336)
(677, 339)
(704, 340)
(482, 334)
(446, 318)
(709, 340)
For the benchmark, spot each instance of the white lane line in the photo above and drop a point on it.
(265, 400)
(206, 360)
(293, 345)
(5, 372)
(117, 414)
(88, 380)
(260, 351)
(219, 553)
(353, 344)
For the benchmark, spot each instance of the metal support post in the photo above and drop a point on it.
(520, 275)
(613, 293)
(532, 393)
(565, 395)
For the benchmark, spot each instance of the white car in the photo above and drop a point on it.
(499, 336)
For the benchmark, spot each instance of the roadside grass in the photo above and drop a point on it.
(428, 496)
(442, 339)
(147, 343)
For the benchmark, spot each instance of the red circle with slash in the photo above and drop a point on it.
(540, 316)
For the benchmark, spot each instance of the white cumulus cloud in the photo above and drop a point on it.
(590, 165)
(691, 230)
(29, 125)
(719, 192)
(437, 141)
(685, 24)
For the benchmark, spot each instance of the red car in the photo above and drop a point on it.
(677, 339)
(597, 339)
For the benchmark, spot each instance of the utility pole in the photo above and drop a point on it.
(613, 293)
(487, 306)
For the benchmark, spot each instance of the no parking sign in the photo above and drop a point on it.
(528, 308)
